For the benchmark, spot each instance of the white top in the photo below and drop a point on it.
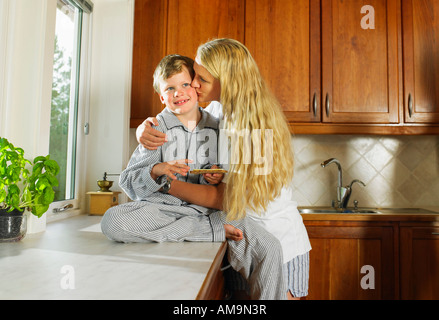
(282, 218)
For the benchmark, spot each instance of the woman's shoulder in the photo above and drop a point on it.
(215, 109)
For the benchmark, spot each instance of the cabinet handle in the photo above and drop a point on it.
(327, 105)
(314, 104)
(435, 233)
(410, 105)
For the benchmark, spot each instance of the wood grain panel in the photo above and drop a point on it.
(340, 250)
(148, 50)
(191, 23)
(284, 38)
(421, 60)
(359, 66)
(419, 263)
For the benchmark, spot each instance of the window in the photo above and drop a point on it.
(68, 104)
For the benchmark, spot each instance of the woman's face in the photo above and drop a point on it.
(208, 88)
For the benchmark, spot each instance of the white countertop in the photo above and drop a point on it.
(74, 251)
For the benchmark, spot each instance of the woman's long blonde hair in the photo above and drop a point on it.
(249, 107)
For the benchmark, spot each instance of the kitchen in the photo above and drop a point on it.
(393, 150)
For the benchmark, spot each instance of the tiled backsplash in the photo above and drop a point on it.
(399, 171)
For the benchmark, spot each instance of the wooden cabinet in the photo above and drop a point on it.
(284, 38)
(213, 287)
(402, 249)
(419, 257)
(191, 23)
(359, 62)
(421, 61)
(343, 253)
(331, 73)
(148, 49)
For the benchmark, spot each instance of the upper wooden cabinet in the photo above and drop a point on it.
(329, 71)
(421, 61)
(191, 23)
(148, 50)
(359, 62)
(284, 38)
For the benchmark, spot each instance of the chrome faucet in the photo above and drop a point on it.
(343, 193)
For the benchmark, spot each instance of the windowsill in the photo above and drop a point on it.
(99, 268)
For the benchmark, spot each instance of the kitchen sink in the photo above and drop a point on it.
(330, 210)
(406, 210)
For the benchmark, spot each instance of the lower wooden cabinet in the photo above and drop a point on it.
(367, 260)
(351, 260)
(213, 285)
(419, 256)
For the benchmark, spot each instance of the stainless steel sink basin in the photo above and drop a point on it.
(330, 210)
(406, 210)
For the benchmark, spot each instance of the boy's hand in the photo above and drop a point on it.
(149, 137)
(213, 178)
(170, 168)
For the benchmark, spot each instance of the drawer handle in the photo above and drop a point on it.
(327, 105)
(314, 104)
(410, 105)
(435, 233)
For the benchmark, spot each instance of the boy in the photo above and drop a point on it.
(155, 215)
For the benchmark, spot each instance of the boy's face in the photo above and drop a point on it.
(177, 94)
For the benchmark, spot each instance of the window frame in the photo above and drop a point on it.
(77, 205)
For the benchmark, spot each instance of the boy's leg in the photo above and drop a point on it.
(145, 222)
(259, 259)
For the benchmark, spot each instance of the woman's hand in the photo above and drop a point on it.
(233, 233)
(149, 137)
(213, 178)
(170, 168)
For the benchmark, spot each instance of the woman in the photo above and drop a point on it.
(226, 72)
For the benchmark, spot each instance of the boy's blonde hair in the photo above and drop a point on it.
(170, 65)
(248, 104)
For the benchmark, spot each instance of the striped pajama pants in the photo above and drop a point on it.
(258, 257)
(296, 272)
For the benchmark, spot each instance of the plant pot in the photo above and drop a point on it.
(13, 225)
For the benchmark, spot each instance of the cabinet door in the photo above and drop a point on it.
(284, 38)
(194, 22)
(421, 61)
(419, 263)
(360, 64)
(350, 261)
(148, 50)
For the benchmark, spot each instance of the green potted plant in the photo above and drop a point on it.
(23, 185)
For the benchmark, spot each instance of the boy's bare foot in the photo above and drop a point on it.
(232, 233)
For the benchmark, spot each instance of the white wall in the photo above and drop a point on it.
(108, 141)
(26, 59)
